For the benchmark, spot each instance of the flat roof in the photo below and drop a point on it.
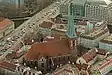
(95, 34)
(107, 39)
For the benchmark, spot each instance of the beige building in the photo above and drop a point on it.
(92, 40)
(99, 12)
(106, 43)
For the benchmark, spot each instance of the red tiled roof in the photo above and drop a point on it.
(4, 22)
(7, 65)
(46, 24)
(51, 48)
(89, 55)
(102, 51)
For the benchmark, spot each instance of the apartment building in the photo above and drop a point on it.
(84, 9)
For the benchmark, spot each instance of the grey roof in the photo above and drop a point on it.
(79, 2)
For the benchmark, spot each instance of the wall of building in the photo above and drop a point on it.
(45, 31)
(105, 46)
(88, 11)
(47, 63)
(97, 12)
(87, 43)
(14, 4)
(7, 72)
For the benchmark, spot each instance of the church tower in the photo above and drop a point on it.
(71, 32)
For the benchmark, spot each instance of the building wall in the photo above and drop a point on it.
(87, 43)
(88, 11)
(64, 9)
(48, 64)
(14, 4)
(105, 46)
(97, 12)
(45, 31)
(7, 72)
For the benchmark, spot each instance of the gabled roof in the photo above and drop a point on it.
(8, 66)
(4, 23)
(89, 55)
(51, 48)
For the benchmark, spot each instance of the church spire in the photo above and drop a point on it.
(71, 33)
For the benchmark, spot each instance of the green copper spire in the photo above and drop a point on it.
(71, 33)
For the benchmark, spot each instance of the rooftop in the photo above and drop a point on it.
(7, 65)
(109, 38)
(50, 48)
(95, 34)
(46, 25)
(4, 23)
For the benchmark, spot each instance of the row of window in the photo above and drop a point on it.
(19, 69)
(92, 38)
(96, 7)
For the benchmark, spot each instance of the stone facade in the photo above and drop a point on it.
(48, 63)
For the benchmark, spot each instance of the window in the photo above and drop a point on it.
(64, 58)
(33, 73)
(59, 58)
(42, 64)
(21, 70)
(29, 73)
(18, 69)
(68, 58)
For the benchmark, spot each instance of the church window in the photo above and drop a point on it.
(42, 64)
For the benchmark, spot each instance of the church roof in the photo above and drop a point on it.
(50, 48)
